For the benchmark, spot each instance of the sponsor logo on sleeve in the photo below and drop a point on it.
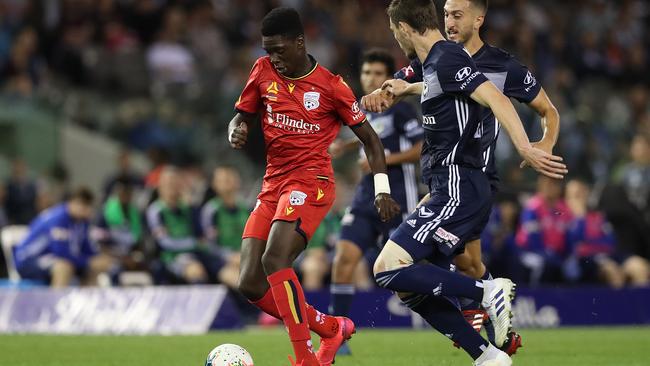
(463, 73)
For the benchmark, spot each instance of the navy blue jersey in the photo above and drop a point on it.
(509, 75)
(399, 129)
(515, 81)
(451, 120)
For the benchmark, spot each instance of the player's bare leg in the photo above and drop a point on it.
(470, 262)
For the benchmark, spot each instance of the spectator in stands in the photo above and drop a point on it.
(173, 226)
(223, 217)
(58, 246)
(498, 238)
(626, 202)
(22, 195)
(593, 245)
(124, 171)
(120, 229)
(169, 60)
(542, 235)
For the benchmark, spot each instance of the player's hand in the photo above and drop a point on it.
(364, 165)
(336, 149)
(386, 206)
(542, 145)
(238, 136)
(544, 163)
(396, 87)
(378, 101)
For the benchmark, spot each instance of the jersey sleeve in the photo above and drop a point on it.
(520, 83)
(345, 103)
(458, 74)
(411, 73)
(250, 100)
(407, 122)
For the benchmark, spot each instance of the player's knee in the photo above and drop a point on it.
(391, 258)
(250, 287)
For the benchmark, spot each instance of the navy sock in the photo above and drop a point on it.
(430, 279)
(471, 304)
(341, 296)
(447, 319)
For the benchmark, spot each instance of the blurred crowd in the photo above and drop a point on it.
(162, 76)
(178, 225)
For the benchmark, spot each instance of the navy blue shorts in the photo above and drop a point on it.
(458, 209)
(366, 230)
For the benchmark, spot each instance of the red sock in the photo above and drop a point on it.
(325, 325)
(290, 301)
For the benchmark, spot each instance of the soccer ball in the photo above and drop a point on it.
(229, 355)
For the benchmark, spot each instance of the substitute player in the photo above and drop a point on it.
(460, 197)
(362, 228)
(463, 20)
(301, 106)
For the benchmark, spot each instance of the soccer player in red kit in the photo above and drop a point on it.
(301, 106)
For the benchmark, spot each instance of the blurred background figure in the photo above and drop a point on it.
(58, 248)
(542, 235)
(594, 246)
(223, 218)
(120, 229)
(21, 201)
(173, 224)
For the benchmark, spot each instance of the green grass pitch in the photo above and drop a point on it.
(563, 347)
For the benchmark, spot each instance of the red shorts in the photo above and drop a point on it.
(305, 199)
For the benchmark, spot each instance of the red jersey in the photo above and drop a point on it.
(300, 116)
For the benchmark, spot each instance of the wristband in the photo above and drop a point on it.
(381, 183)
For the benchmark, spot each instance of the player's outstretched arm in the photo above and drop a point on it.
(238, 129)
(386, 206)
(545, 163)
(550, 120)
(340, 147)
(400, 88)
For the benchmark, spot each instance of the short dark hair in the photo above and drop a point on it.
(419, 14)
(481, 4)
(83, 194)
(282, 21)
(380, 55)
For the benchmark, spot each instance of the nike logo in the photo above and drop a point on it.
(320, 194)
(290, 210)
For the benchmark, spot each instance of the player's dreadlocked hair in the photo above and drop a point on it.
(380, 55)
(419, 14)
(481, 4)
(282, 21)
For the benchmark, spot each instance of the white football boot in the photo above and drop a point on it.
(497, 301)
(493, 356)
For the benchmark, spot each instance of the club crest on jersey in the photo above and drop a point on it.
(297, 198)
(311, 100)
(425, 212)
